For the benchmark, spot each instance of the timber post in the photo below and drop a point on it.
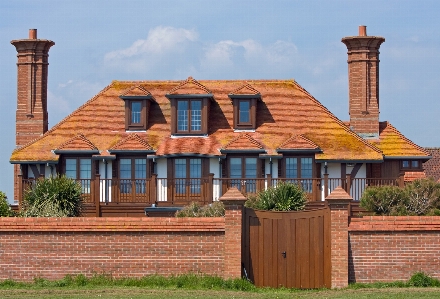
(96, 195)
(153, 188)
(210, 187)
(269, 180)
(325, 185)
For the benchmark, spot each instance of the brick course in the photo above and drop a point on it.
(393, 248)
(122, 247)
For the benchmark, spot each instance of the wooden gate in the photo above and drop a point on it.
(289, 249)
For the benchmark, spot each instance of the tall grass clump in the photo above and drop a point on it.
(216, 209)
(282, 197)
(57, 196)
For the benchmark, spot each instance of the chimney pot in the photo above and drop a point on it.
(362, 30)
(32, 33)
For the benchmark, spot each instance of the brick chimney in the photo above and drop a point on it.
(32, 67)
(363, 81)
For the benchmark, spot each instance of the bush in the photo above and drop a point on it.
(216, 209)
(421, 279)
(57, 196)
(420, 197)
(283, 197)
(5, 209)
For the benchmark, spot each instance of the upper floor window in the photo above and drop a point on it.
(189, 114)
(411, 164)
(136, 112)
(245, 111)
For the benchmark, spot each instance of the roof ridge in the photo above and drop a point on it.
(79, 136)
(134, 87)
(302, 137)
(247, 86)
(190, 80)
(341, 123)
(132, 136)
(390, 126)
(80, 108)
(248, 137)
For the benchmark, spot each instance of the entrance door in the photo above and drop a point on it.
(187, 179)
(133, 183)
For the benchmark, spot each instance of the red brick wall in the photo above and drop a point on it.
(123, 247)
(393, 248)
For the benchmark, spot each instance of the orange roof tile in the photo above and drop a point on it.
(137, 90)
(394, 144)
(79, 142)
(132, 142)
(245, 89)
(432, 166)
(244, 142)
(298, 142)
(305, 116)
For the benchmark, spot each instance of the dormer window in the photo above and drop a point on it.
(189, 114)
(137, 104)
(245, 111)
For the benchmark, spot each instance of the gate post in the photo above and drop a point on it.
(233, 201)
(338, 202)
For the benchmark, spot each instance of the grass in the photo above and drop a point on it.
(198, 286)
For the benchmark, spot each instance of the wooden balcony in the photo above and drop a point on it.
(127, 197)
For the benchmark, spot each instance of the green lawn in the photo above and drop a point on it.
(137, 293)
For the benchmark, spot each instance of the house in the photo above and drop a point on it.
(172, 142)
(432, 166)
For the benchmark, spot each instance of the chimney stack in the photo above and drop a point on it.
(363, 82)
(32, 68)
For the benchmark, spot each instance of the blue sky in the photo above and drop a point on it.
(100, 41)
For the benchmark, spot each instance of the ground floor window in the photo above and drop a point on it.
(79, 169)
(133, 174)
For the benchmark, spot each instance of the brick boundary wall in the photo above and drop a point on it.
(123, 247)
(387, 248)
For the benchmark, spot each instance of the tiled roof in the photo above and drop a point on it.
(285, 109)
(244, 142)
(132, 142)
(394, 144)
(298, 142)
(190, 86)
(246, 88)
(432, 166)
(79, 142)
(137, 90)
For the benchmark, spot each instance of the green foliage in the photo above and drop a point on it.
(283, 197)
(420, 197)
(53, 197)
(421, 279)
(5, 209)
(216, 209)
(187, 281)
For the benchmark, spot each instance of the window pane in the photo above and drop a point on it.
(195, 172)
(180, 175)
(71, 168)
(125, 169)
(136, 108)
(182, 115)
(251, 167)
(235, 164)
(196, 115)
(140, 168)
(291, 168)
(415, 164)
(306, 167)
(244, 112)
(85, 168)
(405, 163)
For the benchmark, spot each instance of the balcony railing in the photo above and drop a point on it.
(180, 192)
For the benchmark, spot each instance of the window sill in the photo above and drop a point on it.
(188, 135)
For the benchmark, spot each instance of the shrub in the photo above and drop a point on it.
(5, 209)
(421, 279)
(57, 196)
(283, 197)
(420, 197)
(216, 209)
(383, 200)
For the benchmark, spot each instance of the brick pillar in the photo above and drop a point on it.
(233, 201)
(32, 68)
(363, 82)
(338, 202)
